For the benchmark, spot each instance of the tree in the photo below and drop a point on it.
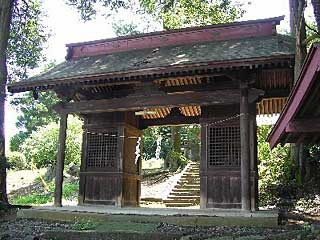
(22, 35)
(183, 13)
(299, 152)
(40, 148)
(122, 29)
(316, 11)
(88, 8)
(32, 115)
(298, 30)
(5, 20)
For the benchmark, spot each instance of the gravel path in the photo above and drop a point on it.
(28, 229)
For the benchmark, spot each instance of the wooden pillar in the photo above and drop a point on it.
(253, 157)
(60, 160)
(245, 147)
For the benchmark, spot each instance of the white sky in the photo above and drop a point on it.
(66, 27)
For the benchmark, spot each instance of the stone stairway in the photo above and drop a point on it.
(186, 192)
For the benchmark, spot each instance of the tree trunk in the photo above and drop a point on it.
(175, 148)
(5, 20)
(316, 11)
(297, 22)
(299, 30)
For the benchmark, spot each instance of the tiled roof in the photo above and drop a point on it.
(169, 56)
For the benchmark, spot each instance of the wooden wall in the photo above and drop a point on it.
(220, 176)
(109, 174)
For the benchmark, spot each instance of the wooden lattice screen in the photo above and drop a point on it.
(223, 146)
(102, 149)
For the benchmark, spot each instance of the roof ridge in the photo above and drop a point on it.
(186, 29)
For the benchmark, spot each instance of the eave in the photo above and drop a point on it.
(303, 87)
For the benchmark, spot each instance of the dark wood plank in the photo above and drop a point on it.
(222, 97)
(310, 125)
(245, 147)
(169, 121)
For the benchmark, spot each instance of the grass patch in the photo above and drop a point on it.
(34, 198)
(85, 225)
(70, 190)
(40, 196)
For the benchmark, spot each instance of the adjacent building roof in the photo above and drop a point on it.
(300, 119)
(246, 44)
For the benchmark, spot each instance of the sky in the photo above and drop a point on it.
(66, 27)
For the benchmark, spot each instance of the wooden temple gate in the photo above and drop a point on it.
(218, 76)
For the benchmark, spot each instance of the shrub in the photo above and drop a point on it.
(40, 148)
(176, 160)
(17, 161)
(274, 170)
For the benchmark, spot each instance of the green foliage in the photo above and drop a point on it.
(17, 140)
(88, 8)
(32, 115)
(85, 224)
(182, 13)
(190, 136)
(150, 136)
(274, 170)
(313, 35)
(122, 29)
(33, 199)
(28, 35)
(69, 192)
(176, 160)
(40, 148)
(16, 161)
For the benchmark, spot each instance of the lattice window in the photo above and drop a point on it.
(102, 149)
(224, 146)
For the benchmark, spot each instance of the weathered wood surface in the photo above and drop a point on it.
(60, 160)
(304, 87)
(118, 184)
(174, 37)
(310, 125)
(222, 97)
(245, 148)
(220, 186)
(169, 121)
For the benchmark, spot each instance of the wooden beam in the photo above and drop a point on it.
(275, 93)
(245, 147)
(203, 87)
(310, 125)
(221, 97)
(169, 121)
(60, 160)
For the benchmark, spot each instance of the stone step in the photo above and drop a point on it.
(180, 204)
(150, 199)
(181, 190)
(190, 177)
(182, 182)
(182, 194)
(188, 186)
(183, 198)
(189, 180)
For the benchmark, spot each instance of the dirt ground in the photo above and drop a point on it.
(22, 179)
